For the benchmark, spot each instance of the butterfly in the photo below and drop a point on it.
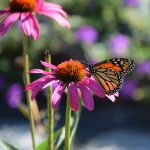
(110, 73)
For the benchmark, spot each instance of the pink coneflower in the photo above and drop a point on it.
(70, 75)
(23, 11)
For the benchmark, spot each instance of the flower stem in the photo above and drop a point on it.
(50, 111)
(28, 94)
(67, 125)
(23, 109)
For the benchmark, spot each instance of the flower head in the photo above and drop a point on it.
(14, 95)
(23, 10)
(86, 34)
(71, 75)
(118, 44)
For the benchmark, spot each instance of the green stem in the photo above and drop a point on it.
(50, 112)
(67, 125)
(23, 109)
(28, 93)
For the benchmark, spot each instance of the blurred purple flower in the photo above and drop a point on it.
(118, 44)
(14, 95)
(131, 3)
(2, 82)
(128, 88)
(86, 34)
(144, 68)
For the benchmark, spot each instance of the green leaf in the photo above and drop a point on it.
(7, 146)
(44, 144)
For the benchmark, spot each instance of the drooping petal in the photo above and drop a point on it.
(55, 12)
(34, 27)
(48, 65)
(37, 85)
(49, 7)
(94, 86)
(25, 24)
(58, 18)
(8, 22)
(30, 25)
(50, 83)
(56, 97)
(40, 71)
(74, 97)
(39, 4)
(86, 97)
(37, 82)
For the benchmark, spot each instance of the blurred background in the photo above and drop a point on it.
(101, 29)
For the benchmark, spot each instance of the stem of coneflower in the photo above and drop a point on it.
(28, 93)
(67, 125)
(50, 110)
(23, 109)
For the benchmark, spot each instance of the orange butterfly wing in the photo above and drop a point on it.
(110, 73)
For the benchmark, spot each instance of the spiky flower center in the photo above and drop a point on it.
(70, 71)
(22, 5)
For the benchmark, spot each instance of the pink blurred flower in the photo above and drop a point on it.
(86, 34)
(23, 11)
(119, 44)
(131, 3)
(14, 95)
(71, 75)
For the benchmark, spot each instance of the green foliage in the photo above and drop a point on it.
(6, 146)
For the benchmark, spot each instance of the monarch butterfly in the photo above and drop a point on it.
(110, 73)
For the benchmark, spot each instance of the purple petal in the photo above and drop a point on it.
(40, 71)
(56, 13)
(48, 65)
(50, 83)
(50, 7)
(34, 27)
(25, 24)
(37, 85)
(86, 97)
(95, 87)
(30, 25)
(39, 4)
(56, 97)
(74, 97)
(8, 22)
(58, 18)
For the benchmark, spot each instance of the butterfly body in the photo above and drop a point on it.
(110, 73)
